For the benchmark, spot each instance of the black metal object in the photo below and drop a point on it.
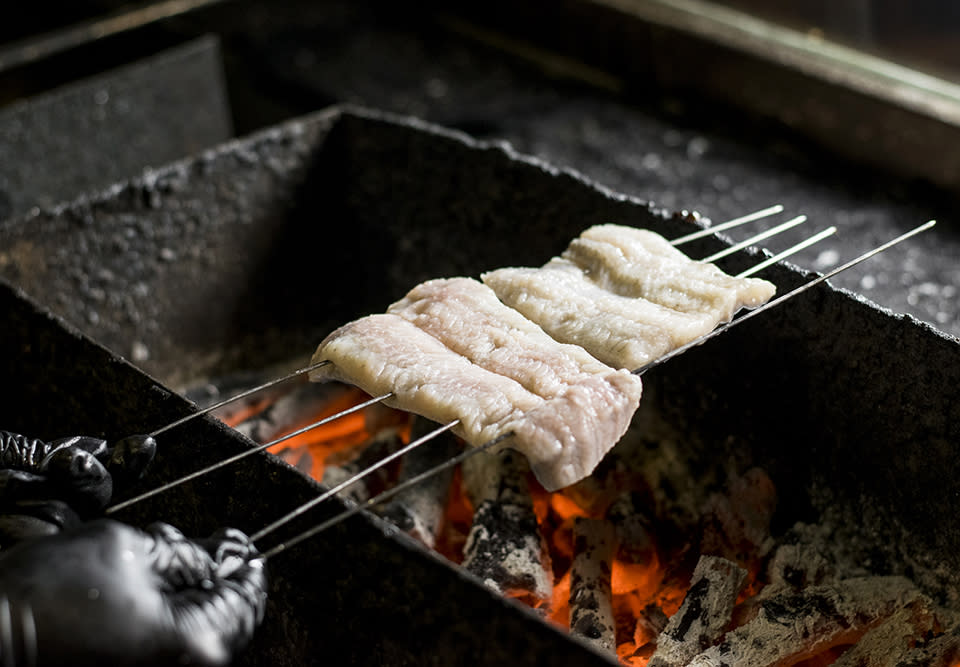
(236, 257)
(94, 132)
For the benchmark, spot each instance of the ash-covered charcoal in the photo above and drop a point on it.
(591, 605)
(797, 566)
(650, 623)
(381, 445)
(419, 510)
(888, 644)
(792, 626)
(704, 614)
(638, 546)
(629, 516)
(796, 563)
(505, 547)
(736, 524)
(500, 476)
(941, 651)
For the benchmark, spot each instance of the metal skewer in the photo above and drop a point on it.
(237, 397)
(241, 455)
(730, 224)
(789, 295)
(226, 401)
(326, 420)
(382, 497)
(347, 482)
(816, 238)
(773, 231)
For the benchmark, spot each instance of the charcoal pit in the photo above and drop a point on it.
(261, 246)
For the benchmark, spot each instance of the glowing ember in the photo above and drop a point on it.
(242, 412)
(650, 573)
(320, 444)
(638, 589)
(457, 517)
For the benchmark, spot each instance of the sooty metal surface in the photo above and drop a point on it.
(94, 132)
(260, 247)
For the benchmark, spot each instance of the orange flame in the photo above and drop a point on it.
(456, 522)
(319, 443)
(633, 655)
(246, 411)
(560, 604)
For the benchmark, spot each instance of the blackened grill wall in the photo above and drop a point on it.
(336, 215)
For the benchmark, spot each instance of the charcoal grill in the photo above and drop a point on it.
(233, 258)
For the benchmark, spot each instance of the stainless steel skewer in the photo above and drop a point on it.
(326, 420)
(347, 482)
(729, 224)
(244, 454)
(237, 397)
(382, 497)
(386, 495)
(773, 231)
(816, 238)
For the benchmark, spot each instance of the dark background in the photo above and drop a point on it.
(282, 59)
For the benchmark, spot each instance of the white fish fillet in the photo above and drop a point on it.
(626, 295)
(589, 405)
(539, 366)
(565, 408)
(620, 331)
(640, 263)
(467, 317)
(386, 353)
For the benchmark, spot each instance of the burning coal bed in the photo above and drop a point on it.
(649, 559)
